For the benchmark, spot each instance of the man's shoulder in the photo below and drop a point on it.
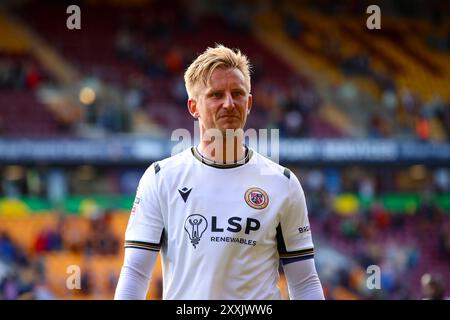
(271, 167)
(168, 164)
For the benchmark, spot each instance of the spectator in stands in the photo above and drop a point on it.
(112, 280)
(4, 74)
(8, 251)
(443, 116)
(378, 126)
(72, 238)
(33, 77)
(100, 239)
(350, 228)
(47, 240)
(179, 91)
(9, 288)
(87, 284)
(41, 243)
(239, 21)
(423, 131)
(381, 218)
(444, 242)
(441, 180)
(410, 100)
(292, 25)
(433, 287)
(330, 47)
(12, 74)
(293, 121)
(124, 43)
(357, 64)
(19, 76)
(135, 95)
(154, 66)
(42, 292)
(173, 60)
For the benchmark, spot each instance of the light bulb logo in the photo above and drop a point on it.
(195, 225)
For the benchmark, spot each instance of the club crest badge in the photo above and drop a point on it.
(256, 198)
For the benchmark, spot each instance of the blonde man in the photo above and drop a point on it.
(222, 215)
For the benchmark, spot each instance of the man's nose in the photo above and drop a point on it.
(228, 103)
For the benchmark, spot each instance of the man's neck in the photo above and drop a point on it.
(228, 151)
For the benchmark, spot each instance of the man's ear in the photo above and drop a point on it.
(193, 110)
(249, 103)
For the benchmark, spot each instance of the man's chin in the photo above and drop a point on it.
(231, 131)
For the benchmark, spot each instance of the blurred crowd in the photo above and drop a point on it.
(19, 275)
(404, 243)
(150, 61)
(395, 244)
(280, 105)
(24, 274)
(18, 75)
(66, 236)
(399, 244)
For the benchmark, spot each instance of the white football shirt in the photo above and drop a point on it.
(221, 228)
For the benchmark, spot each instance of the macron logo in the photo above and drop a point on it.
(185, 193)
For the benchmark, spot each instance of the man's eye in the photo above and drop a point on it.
(216, 94)
(237, 94)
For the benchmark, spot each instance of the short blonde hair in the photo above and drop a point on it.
(211, 59)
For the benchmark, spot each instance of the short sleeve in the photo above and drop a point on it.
(145, 225)
(293, 232)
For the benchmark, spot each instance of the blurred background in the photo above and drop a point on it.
(364, 119)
